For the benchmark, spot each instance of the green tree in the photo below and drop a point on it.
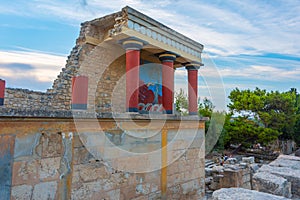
(205, 108)
(297, 123)
(261, 116)
(181, 102)
(213, 126)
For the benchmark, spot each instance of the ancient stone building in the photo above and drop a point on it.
(107, 128)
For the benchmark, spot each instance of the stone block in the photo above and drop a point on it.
(51, 145)
(231, 161)
(218, 169)
(25, 146)
(48, 169)
(292, 175)
(248, 160)
(297, 153)
(254, 167)
(82, 156)
(92, 172)
(21, 192)
(269, 183)
(45, 190)
(292, 162)
(242, 194)
(25, 172)
(190, 187)
(87, 191)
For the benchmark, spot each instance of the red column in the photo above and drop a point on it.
(2, 91)
(193, 87)
(167, 60)
(79, 92)
(132, 47)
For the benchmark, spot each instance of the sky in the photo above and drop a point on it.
(247, 44)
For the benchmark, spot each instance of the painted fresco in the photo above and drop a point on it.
(150, 91)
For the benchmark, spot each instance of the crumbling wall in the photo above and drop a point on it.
(26, 99)
(84, 55)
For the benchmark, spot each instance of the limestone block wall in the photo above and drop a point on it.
(42, 158)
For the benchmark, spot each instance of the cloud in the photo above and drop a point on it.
(263, 73)
(31, 65)
(227, 28)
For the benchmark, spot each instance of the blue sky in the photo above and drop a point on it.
(247, 43)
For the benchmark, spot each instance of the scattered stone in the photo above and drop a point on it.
(243, 194)
(231, 161)
(232, 167)
(208, 171)
(209, 163)
(269, 183)
(208, 180)
(288, 172)
(297, 153)
(218, 169)
(254, 167)
(248, 160)
(243, 164)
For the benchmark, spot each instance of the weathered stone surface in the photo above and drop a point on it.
(287, 161)
(297, 153)
(190, 187)
(231, 161)
(243, 194)
(46, 190)
(218, 169)
(21, 192)
(269, 183)
(288, 168)
(254, 167)
(248, 160)
(89, 190)
(48, 169)
(51, 145)
(25, 145)
(25, 172)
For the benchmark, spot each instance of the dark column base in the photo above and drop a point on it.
(79, 106)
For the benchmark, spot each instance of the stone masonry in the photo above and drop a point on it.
(83, 55)
(51, 161)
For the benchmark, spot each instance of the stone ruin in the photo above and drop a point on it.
(280, 179)
(107, 128)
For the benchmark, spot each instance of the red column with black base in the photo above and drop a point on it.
(79, 92)
(132, 47)
(2, 91)
(192, 69)
(167, 60)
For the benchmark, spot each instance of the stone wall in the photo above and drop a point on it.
(49, 159)
(103, 68)
(26, 99)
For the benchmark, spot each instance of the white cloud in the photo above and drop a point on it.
(44, 67)
(263, 73)
(227, 28)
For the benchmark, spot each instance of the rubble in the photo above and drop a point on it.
(242, 194)
(248, 160)
(297, 153)
(270, 183)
